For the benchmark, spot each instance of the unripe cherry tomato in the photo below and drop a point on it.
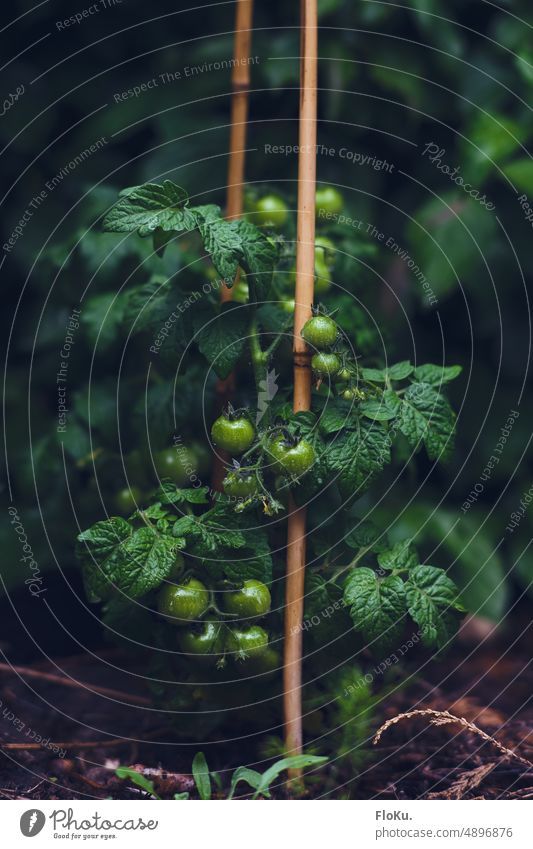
(328, 199)
(325, 365)
(240, 484)
(270, 211)
(183, 603)
(178, 464)
(320, 332)
(126, 501)
(250, 602)
(234, 435)
(203, 640)
(291, 459)
(242, 643)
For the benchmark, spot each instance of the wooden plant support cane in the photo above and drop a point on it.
(240, 84)
(305, 274)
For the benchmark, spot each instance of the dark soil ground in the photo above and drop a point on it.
(111, 721)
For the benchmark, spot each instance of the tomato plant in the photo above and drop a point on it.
(213, 562)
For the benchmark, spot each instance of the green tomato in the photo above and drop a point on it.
(234, 435)
(344, 375)
(204, 640)
(267, 662)
(183, 603)
(240, 484)
(325, 365)
(243, 643)
(270, 211)
(320, 332)
(126, 501)
(322, 278)
(137, 467)
(348, 395)
(178, 464)
(202, 456)
(325, 251)
(291, 459)
(250, 602)
(287, 305)
(329, 200)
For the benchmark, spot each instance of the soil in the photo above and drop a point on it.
(110, 721)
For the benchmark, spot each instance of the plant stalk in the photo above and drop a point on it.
(240, 84)
(305, 273)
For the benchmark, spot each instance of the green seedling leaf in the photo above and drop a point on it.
(127, 772)
(202, 779)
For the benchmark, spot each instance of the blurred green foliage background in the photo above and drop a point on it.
(394, 78)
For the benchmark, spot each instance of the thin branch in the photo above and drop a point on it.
(27, 672)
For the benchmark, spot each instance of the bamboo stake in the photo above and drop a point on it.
(305, 272)
(240, 84)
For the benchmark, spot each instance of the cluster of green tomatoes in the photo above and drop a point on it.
(332, 360)
(272, 213)
(219, 625)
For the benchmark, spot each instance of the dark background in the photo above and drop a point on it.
(392, 79)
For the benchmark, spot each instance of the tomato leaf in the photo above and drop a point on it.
(145, 208)
(222, 337)
(401, 556)
(115, 557)
(377, 606)
(436, 375)
(383, 408)
(354, 457)
(426, 416)
(432, 598)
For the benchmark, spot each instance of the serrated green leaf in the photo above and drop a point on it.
(336, 415)
(316, 594)
(432, 599)
(259, 256)
(401, 556)
(377, 375)
(398, 371)
(381, 409)
(355, 457)
(222, 337)
(145, 208)
(366, 535)
(377, 606)
(426, 416)
(115, 557)
(169, 493)
(436, 375)
(222, 241)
